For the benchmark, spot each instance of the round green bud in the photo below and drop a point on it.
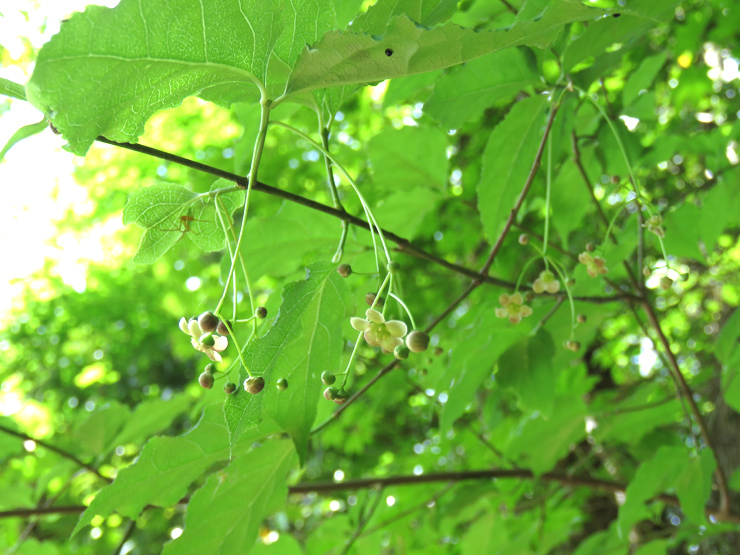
(328, 378)
(207, 340)
(581, 318)
(222, 328)
(417, 341)
(341, 397)
(206, 380)
(282, 384)
(590, 247)
(572, 345)
(401, 352)
(208, 322)
(330, 393)
(254, 385)
(344, 270)
(229, 388)
(523, 239)
(210, 367)
(394, 267)
(261, 312)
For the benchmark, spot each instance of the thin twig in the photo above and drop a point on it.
(403, 514)
(57, 450)
(365, 517)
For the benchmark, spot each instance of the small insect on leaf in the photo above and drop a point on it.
(182, 223)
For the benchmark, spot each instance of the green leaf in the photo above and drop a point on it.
(225, 514)
(166, 468)
(167, 212)
(694, 486)
(652, 477)
(473, 360)
(643, 77)
(94, 436)
(149, 418)
(728, 339)
(343, 57)
(545, 441)
(507, 160)
(14, 90)
(408, 158)
(655, 547)
(465, 92)
(305, 340)
(526, 369)
(403, 212)
(23, 133)
(108, 70)
(294, 233)
(376, 19)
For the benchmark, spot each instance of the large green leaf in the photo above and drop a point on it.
(224, 515)
(149, 418)
(408, 158)
(167, 212)
(305, 340)
(473, 360)
(344, 57)
(166, 468)
(95, 434)
(526, 368)
(464, 92)
(507, 160)
(429, 13)
(109, 70)
(694, 486)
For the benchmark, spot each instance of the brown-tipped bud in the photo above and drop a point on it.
(417, 341)
(344, 270)
(666, 282)
(341, 397)
(523, 239)
(571, 282)
(330, 393)
(222, 328)
(615, 179)
(254, 385)
(581, 319)
(229, 388)
(370, 299)
(282, 384)
(647, 272)
(208, 322)
(393, 267)
(328, 378)
(401, 352)
(261, 312)
(572, 345)
(206, 380)
(590, 247)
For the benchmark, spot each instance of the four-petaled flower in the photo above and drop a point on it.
(546, 282)
(595, 265)
(378, 332)
(193, 330)
(513, 308)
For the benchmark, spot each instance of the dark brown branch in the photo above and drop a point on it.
(57, 450)
(35, 511)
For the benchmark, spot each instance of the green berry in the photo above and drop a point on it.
(417, 341)
(222, 328)
(229, 388)
(330, 393)
(401, 352)
(261, 312)
(208, 322)
(206, 380)
(282, 384)
(254, 385)
(328, 378)
(341, 397)
(207, 340)
(344, 270)
(394, 267)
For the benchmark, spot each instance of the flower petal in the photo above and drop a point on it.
(501, 313)
(184, 325)
(220, 343)
(371, 339)
(374, 316)
(390, 343)
(396, 328)
(213, 355)
(504, 299)
(553, 287)
(525, 311)
(360, 324)
(516, 298)
(194, 328)
(538, 287)
(515, 318)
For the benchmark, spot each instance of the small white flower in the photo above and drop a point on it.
(546, 282)
(378, 332)
(192, 329)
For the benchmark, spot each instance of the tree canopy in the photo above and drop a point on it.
(398, 277)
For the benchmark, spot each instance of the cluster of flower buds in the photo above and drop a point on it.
(204, 334)
(513, 308)
(655, 225)
(595, 265)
